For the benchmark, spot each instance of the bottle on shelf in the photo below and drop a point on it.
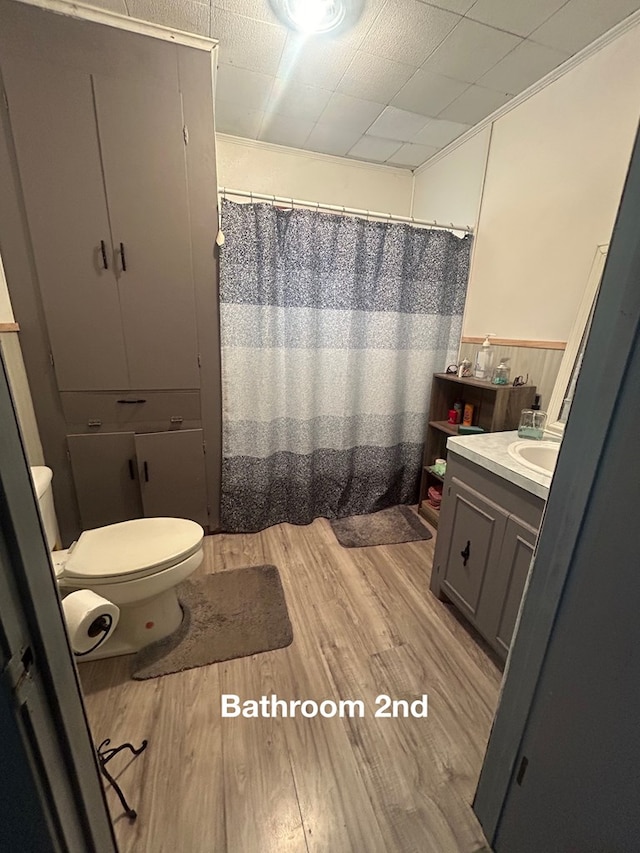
(484, 359)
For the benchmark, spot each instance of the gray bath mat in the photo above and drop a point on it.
(226, 615)
(386, 527)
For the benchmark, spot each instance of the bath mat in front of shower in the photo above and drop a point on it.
(391, 526)
(230, 614)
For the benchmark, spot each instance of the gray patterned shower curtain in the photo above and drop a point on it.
(331, 327)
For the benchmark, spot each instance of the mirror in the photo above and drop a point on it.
(564, 388)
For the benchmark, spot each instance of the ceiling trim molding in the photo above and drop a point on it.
(605, 39)
(84, 12)
(317, 155)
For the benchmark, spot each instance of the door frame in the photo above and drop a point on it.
(612, 337)
(53, 756)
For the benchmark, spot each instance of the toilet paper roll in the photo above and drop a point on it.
(90, 619)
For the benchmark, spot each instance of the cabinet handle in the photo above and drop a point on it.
(103, 252)
(146, 472)
(124, 260)
(466, 553)
(133, 401)
(131, 470)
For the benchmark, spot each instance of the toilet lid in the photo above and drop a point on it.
(132, 548)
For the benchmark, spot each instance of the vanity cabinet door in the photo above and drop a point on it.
(515, 561)
(474, 543)
(106, 478)
(172, 477)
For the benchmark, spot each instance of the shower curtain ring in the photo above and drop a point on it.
(251, 196)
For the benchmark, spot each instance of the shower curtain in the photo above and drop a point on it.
(331, 329)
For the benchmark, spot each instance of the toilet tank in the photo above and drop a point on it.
(42, 477)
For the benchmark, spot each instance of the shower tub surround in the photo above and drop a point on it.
(332, 327)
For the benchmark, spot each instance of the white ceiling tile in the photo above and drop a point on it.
(285, 130)
(259, 9)
(355, 36)
(233, 118)
(186, 15)
(329, 139)
(374, 78)
(440, 132)
(248, 88)
(408, 31)
(314, 63)
(470, 51)
(372, 148)
(519, 18)
(247, 43)
(579, 22)
(525, 65)
(352, 113)
(474, 105)
(412, 155)
(397, 124)
(289, 98)
(427, 93)
(459, 6)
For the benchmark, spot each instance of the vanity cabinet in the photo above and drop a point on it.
(124, 475)
(486, 537)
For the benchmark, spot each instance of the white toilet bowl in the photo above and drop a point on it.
(134, 564)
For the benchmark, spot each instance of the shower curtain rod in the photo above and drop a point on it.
(338, 208)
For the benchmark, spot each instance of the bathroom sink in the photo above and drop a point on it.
(540, 456)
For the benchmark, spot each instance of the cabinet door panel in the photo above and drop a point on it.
(476, 538)
(172, 474)
(67, 213)
(106, 478)
(515, 561)
(142, 142)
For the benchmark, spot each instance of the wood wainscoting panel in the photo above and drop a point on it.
(542, 365)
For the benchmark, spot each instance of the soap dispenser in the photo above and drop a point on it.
(484, 359)
(532, 421)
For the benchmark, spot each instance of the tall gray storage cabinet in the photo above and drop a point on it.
(112, 137)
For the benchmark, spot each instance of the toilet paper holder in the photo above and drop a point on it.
(105, 753)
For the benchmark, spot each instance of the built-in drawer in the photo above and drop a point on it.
(140, 411)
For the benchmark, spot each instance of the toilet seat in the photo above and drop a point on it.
(131, 549)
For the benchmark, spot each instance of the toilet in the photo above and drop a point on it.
(134, 564)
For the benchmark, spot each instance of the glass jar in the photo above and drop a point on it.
(501, 373)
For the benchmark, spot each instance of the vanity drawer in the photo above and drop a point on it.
(137, 410)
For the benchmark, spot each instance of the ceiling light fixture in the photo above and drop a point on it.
(313, 17)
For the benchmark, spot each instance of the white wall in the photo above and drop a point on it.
(449, 189)
(248, 165)
(555, 173)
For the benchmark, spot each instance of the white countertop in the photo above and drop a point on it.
(489, 450)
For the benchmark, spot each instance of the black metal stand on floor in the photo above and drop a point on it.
(106, 753)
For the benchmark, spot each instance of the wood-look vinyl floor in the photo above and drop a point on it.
(364, 624)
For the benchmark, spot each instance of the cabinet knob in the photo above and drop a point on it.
(466, 553)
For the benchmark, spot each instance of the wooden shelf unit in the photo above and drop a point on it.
(497, 408)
